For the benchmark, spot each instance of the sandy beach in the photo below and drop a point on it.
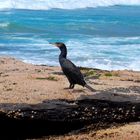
(27, 83)
(32, 84)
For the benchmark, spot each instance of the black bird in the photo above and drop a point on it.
(72, 72)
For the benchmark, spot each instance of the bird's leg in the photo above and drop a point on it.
(70, 87)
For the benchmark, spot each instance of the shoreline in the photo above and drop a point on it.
(23, 85)
(26, 62)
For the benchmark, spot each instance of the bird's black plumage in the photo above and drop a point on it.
(72, 72)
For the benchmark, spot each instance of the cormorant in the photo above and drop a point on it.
(72, 72)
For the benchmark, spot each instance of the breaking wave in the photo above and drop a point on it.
(62, 4)
(4, 24)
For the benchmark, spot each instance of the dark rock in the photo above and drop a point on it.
(62, 116)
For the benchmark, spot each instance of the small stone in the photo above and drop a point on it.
(32, 116)
(93, 107)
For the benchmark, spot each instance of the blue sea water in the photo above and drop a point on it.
(99, 37)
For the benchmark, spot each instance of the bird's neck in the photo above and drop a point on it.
(63, 53)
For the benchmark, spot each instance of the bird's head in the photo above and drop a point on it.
(62, 48)
(58, 44)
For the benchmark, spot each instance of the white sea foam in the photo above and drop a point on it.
(62, 4)
(108, 56)
(4, 24)
(91, 52)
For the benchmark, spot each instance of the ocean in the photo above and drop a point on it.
(102, 34)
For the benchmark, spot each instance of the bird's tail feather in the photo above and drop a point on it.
(90, 88)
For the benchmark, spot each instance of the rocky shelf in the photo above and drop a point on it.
(54, 117)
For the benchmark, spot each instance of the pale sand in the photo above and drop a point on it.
(30, 84)
(27, 83)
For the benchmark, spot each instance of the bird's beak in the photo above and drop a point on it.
(53, 44)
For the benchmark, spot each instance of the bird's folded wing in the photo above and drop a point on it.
(70, 69)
